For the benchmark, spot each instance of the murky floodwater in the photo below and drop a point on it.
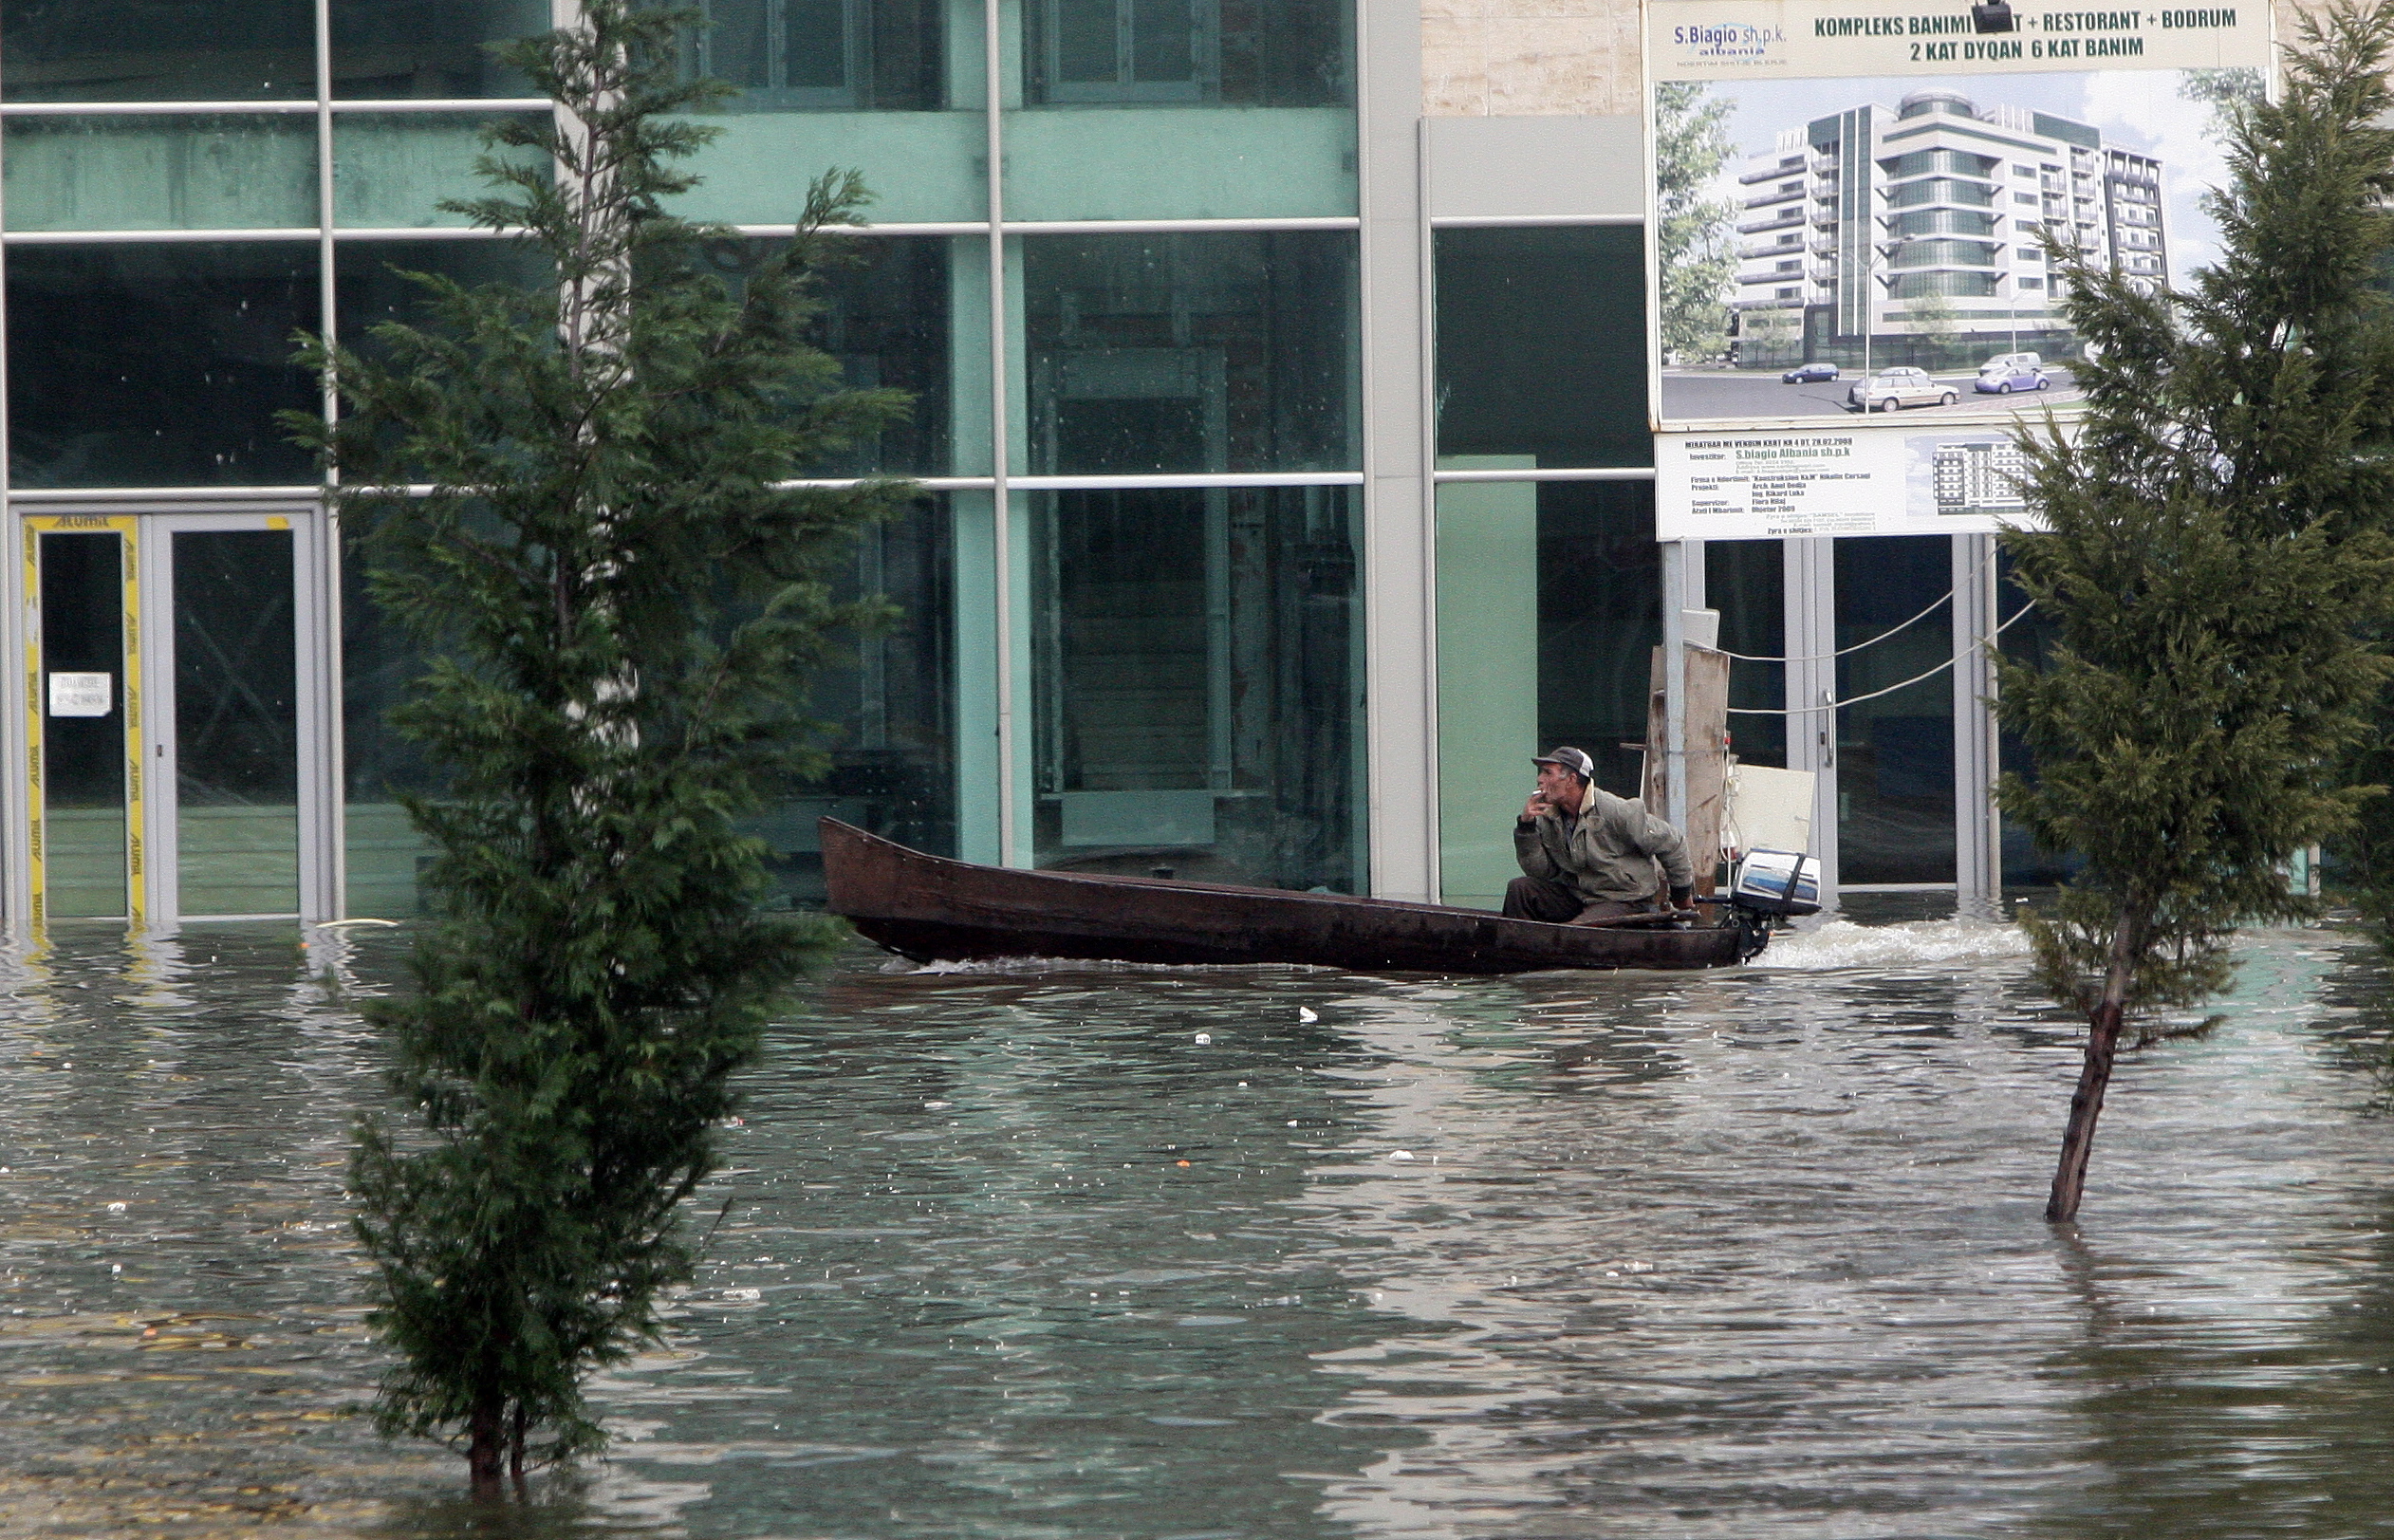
(1022, 1254)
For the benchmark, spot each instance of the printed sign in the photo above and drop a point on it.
(1825, 39)
(1850, 221)
(81, 695)
(1864, 481)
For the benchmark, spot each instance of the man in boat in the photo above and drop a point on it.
(1588, 855)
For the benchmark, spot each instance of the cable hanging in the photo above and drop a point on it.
(1977, 646)
(1934, 604)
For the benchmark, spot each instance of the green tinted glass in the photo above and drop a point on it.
(157, 51)
(152, 172)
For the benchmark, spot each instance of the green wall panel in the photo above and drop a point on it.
(1487, 675)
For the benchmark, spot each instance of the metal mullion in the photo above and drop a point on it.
(291, 104)
(283, 496)
(485, 104)
(153, 109)
(1509, 221)
(147, 499)
(158, 753)
(151, 237)
(316, 574)
(1593, 472)
(17, 690)
(1161, 226)
(1195, 479)
(322, 814)
(947, 227)
(423, 233)
(1001, 512)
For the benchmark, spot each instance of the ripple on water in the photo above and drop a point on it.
(1010, 1252)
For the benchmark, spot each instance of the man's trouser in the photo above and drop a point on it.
(1534, 898)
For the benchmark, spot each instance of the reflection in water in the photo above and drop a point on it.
(1095, 1251)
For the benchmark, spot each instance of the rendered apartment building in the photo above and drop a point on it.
(1280, 419)
(1924, 224)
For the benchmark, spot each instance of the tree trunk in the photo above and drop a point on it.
(487, 1450)
(2094, 1074)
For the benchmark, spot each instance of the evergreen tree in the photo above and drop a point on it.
(2214, 567)
(1694, 229)
(622, 609)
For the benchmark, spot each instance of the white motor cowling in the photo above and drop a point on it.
(1777, 883)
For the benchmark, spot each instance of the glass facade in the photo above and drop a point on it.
(889, 314)
(1183, 109)
(393, 170)
(1746, 582)
(1198, 685)
(2026, 640)
(391, 50)
(158, 365)
(83, 803)
(1895, 754)
(236, 721)
(214, 170)
(157, 50)
(1549, 612)
(1191, 352)
(887, 707)
(890, 88)
(381, 851)
(1542, 344)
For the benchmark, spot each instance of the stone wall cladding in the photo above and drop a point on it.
(1528, 58)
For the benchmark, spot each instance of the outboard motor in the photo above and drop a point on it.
(1773, 886)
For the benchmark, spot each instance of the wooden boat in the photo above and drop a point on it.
(928, 907)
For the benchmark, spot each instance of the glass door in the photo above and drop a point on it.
(82, 717)
(175, 767)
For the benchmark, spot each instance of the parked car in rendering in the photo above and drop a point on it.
(1809, 374)
(1902, 386)
(2010, 377)
(2006, 363)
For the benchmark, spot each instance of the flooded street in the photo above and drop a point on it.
(1095, 1252)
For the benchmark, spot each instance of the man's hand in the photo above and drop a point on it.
(1537, 807)
(1682, 898)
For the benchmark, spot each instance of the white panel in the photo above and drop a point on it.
(1536, 168)
(1402, 771)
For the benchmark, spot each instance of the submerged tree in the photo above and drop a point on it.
(2213, 568)
(621, 607)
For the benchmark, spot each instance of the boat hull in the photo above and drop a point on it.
(930, 908)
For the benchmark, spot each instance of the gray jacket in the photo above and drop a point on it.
(1607, 853)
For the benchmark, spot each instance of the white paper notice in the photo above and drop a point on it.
(1765, 485)
(81, 695)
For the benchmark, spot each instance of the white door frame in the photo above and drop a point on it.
(156, 902)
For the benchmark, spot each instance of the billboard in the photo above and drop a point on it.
(1847, 230)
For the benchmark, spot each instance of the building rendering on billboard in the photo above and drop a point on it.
(1932, 213)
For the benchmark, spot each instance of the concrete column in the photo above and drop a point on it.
(1812, 680)
(1977, 831)
(1398, 535)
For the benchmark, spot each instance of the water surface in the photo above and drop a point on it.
(1090, 1251)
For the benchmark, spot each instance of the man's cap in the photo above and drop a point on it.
(1574, 760)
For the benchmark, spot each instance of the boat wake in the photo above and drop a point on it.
(1019, 967)
(1840, 943)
